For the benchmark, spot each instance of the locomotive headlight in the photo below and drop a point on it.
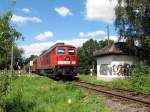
(69, 101)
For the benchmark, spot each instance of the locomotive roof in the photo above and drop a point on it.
(56, 45)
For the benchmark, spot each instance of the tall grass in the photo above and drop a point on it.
(117, 83)
(139, 81)
(40, 94)
(5, 79)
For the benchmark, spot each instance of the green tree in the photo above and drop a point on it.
(133, 22)
(133, 18)
(103, 43)
(85, 54)
(8, 35)
(27, 60)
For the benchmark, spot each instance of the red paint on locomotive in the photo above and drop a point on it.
(59, 57)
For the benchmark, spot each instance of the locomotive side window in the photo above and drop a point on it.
(71, 51)
(61, 51)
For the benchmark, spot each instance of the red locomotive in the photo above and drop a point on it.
(58, 61)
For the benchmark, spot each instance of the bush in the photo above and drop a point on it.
(140, 79)
(19, 104)
(4, 87)
(120, 84)
(40, 94)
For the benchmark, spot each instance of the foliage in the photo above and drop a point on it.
(145, 51)
(27, 60)
(40, 94)
(7, 32)
(118, 83)
(6, 60)
(132, 18)
(18, 104)
(8, 35)
(133, 21)
(85, 54)
(140, 79)
(4, 88)
(104, 43)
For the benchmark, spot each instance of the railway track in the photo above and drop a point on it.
(127, 95)
(120, 94)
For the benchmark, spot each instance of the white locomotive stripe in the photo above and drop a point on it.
(66, 62)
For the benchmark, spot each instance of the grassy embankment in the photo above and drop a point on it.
(139, 81)
(40, 94)
(124, 84)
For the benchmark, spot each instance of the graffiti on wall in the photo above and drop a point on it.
(122, 69)
(105, 69)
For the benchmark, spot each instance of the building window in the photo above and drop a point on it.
(105, 69)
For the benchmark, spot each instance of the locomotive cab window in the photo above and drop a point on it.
(61, 51)
(71, 51)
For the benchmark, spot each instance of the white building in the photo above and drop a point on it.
(113, 62)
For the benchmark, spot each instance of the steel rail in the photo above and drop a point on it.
(98, 85)
(92, 87)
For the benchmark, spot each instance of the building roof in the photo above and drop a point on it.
(116, 49)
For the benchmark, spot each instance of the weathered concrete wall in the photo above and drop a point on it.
(115, 66)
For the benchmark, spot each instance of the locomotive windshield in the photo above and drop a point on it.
(61, 51)
(71, 51)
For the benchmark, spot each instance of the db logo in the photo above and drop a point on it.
(67, 58)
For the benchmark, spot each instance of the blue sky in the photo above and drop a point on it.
(45, 22)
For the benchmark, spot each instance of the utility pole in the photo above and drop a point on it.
(13, 41)
(108, 33)
(12, 56)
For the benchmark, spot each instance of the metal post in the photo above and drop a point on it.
(13, 41)
(12, 56)
(29, 69)
(108, 32)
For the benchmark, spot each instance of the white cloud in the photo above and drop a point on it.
(114, 38)
(100, 10)
(22, 19)
(26, 10)
(42, 36)
(81, 34)
(92, 34)
(63, 11)
(37, 48)
(77, 42)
